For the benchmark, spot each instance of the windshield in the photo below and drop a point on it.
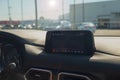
(103, 15)
(87, 24)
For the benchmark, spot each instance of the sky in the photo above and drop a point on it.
(49, 9)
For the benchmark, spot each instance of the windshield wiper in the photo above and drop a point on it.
(106, 53)
(107, 35)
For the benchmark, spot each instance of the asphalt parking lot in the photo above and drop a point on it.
(97, 32)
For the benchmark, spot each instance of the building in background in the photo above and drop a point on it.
(105, 14)
(66, 17)
(9, 22)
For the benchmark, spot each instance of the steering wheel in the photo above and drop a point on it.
(6, 73)
(9, 62)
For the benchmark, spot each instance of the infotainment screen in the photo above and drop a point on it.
(73, 42)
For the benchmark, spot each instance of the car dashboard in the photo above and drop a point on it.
(22, 55)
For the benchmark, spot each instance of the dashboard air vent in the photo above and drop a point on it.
(70, 76)
(38, 74)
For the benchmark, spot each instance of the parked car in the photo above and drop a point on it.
(8, 27)
(1, 26)
(87, 26)
(64, 25)
(26, 26)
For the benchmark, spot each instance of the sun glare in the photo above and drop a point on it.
(52, 3)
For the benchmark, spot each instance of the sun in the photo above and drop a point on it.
(52, 3)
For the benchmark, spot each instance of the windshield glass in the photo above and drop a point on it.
(101, 16)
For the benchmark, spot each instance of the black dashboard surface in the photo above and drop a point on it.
(104, 65)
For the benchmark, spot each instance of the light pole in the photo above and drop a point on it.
(36, 14)
(63, 9)
(9, 12)
(22, 12)
(83, 11)
(74, 25)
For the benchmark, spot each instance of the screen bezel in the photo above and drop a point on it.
(90, 47)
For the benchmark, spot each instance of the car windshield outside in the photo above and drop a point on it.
(101, 16)
(87, 24)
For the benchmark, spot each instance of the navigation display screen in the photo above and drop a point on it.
(78, 42)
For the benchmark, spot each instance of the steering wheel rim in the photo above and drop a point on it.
(8, 69)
